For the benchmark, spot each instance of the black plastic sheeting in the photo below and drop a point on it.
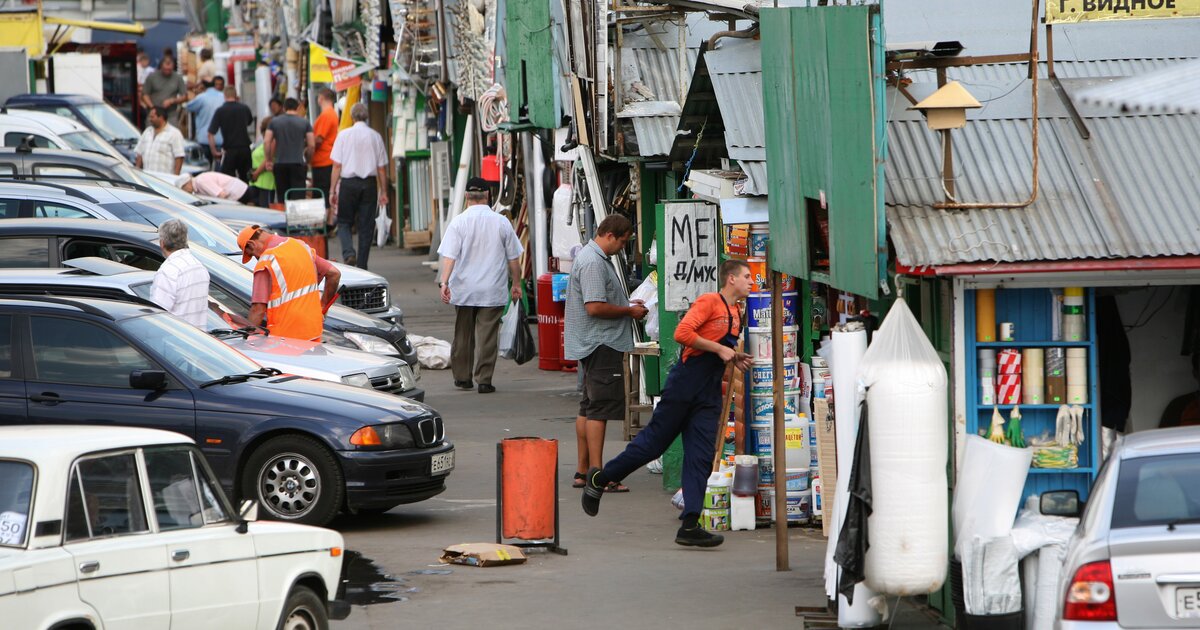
(853, 540)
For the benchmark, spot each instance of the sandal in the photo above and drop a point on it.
(579, 481)
(616, 487)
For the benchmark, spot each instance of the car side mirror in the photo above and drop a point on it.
(247, 513)
(1060, 503)
(148, 379)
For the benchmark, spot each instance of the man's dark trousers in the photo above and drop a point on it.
(289, 177)
(235, 162)
(690, 404)
(476, 334)
(320, 177)
(358, 203)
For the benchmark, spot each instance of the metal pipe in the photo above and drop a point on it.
(1012, 205)
(746, 34)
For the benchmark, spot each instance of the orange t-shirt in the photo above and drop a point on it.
(326, 127)
(709, 319)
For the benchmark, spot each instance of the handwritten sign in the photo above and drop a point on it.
(691, 247)
(12, 528)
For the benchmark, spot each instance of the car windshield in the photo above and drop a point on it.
(1158, 490)
(202, 228)
(87, 140)
(16, 492)
(226, 272)
(109, 122)
(167, 189)
(187, 348)
(220, 304)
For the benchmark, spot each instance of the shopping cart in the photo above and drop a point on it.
(305, 217)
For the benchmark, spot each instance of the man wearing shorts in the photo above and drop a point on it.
(598, 334)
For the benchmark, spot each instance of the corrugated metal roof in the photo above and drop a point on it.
(1170, 90)
(756, 172)
(655, 134)
(735, 69)
(1068, 69)
(652, 59)
(1129, 191)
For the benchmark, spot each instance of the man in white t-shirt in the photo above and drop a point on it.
(479, 245)
(181, 283)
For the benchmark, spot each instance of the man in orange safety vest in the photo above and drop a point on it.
(286, 280)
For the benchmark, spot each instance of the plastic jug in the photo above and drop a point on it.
(745, 476)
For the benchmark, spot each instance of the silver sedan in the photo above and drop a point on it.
(1134, 561)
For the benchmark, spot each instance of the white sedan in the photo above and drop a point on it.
(114, 527)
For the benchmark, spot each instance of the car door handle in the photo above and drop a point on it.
(91, 566)
(46, 397)
(179, 555)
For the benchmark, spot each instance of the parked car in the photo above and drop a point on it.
(1133, 561)
(115, 527)
(105, 120)
(38, 243)
(103, 278)
(361, 289)
(24, 127)
(302, 448)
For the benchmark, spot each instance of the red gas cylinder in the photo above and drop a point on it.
(551, 318)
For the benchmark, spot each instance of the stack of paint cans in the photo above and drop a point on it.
(1008, 379)
(760, 441)
(715, 515)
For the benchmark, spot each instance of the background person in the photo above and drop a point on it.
(230, 127)
(359, 182)
(262, 179)
(214, 184)
(203, 107)
(286, 279)
(597, 333)
(161, 146)
(325, 132)
(181, 283)
(479, 246)
(290, 144)
(164, 88)
(207, 72)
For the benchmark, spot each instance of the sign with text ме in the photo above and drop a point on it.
(692, 242)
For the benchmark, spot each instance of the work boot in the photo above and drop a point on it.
(696, 536)
(593, 490)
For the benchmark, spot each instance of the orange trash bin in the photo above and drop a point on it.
(527, 492)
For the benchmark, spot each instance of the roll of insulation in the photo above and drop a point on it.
(1008, 361)
(1055, 370)
(987, 363)
(985, 315)
(847, 349)
(1077, 372)
(1073, 326)
(1032, 379)
(906, 386)
(1077, 394)
(1008, 389)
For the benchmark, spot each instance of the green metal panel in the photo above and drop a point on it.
(529, 72)
(820, 102)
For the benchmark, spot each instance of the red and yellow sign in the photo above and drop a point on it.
(325, 66)
(1070, 11)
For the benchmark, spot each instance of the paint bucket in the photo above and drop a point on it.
(760, 276)
(716, 498)
(760, 347)
(766, 471)
(796, 480)
(762, 376)
(762, 406)
(764, 504)
(758, 309)
(715, 520)
(760, 235)
(799, 506)
(760, 439)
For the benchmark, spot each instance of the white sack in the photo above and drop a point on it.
(432, 353)
(1045, 539)
(991, 582)
(905, 383)
(988, 490)
(647, 292)
(563, 237)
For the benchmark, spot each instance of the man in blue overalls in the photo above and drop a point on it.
(690, 404)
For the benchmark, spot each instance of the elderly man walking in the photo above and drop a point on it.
(359, 183)
(286, 280)
(181, 282)
(478, 246)
(160, 148)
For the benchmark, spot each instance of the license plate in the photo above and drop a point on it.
(1187, 603)
(443, 462)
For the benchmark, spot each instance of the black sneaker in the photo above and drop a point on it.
(592, 493)
(464, 384)
(486, 388)
(697, 537)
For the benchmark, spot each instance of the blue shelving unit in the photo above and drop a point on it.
(1031, 311)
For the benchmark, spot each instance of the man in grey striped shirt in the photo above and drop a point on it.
(597, 333)
(181, 283)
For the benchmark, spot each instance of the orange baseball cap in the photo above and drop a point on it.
(244, 237)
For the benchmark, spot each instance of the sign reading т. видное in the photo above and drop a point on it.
(1069, 11)
(691, 253)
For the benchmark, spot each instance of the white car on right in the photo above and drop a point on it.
(1134, 561)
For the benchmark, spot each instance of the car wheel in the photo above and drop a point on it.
(294, 478)
(303, 610)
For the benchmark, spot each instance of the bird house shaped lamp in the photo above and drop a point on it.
(947, 107)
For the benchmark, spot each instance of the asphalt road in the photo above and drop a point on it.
(623, 569)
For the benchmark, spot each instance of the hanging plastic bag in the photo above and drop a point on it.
(383, 227)
(508, 332)
(525, 348)
(647, 292)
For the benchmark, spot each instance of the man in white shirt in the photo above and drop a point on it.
(360, 167)
(161, 145)
(479, 244)
(181, 283)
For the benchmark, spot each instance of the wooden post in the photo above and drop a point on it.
(780, 439)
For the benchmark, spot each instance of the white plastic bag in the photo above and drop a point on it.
(383, 226)
(432, 353)
(508, 332)
(647, 292)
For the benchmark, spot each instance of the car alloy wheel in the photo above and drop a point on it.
(289, 485)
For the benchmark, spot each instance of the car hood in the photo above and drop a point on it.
(349, 318)
(354, 277)
(311, 358)
(325, 401)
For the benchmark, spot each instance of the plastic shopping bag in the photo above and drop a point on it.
(508, 332)
(383, 226)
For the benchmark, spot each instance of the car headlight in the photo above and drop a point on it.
(384, 436)
(358, 380)
(337, 339)
(370, 343)
(407, 380)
